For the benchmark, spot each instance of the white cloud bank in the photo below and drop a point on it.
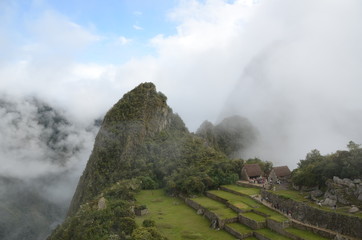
(291, 67)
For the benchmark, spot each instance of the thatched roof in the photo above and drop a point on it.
(282, 171)
(253, 170)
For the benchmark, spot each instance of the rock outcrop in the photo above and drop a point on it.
(343, 191)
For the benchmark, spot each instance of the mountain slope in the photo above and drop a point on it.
(140, 137)
(141, 144)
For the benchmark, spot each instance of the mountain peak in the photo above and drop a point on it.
(139, 115)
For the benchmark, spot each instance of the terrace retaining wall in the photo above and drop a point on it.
(237, 234)
(277, 226)
(234, 192)
(245, 184)
(343, 224)
(318, 231)
(210, 215)
(251, 223)
(260, 237)
(225, 201)
(216, 198)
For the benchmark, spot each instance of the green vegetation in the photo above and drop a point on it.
(291, 194)
(115, 220)
(142, 144)
(246, 203)
(243, 190)
(175, 219)
(271, 235)
(271, 213)
(241, 228)
(304, 234)
(216, 207)
(142, 138)
(241, 202)
(316, 168)
(254, 216)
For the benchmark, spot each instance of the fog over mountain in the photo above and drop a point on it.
(42, 155)
(292, 68)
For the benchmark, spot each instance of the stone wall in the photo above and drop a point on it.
(210, 215)
(277, 226)
(224, 201)
(260, 237)
(244, 184)
(232, 191)
(216, 198)
(236, 233)
(320, 232)
(251, 223)
(343, 224)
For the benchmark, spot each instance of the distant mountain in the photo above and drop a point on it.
(141, 144)
(231, 136)
(40, 150)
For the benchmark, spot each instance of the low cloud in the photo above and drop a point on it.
(291, 68)
(123, 40)
(137, 27)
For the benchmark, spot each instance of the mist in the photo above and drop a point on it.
(42, 156)
(292, 68)
(302, 88)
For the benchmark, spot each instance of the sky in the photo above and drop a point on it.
(293, 68)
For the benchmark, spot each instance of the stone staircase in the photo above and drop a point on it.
(245, 218)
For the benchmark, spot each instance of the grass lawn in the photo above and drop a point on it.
(254, 216)
(271, 235)
(175, 219)
(241, 228)
(216, 207)
(295, 195)
(236, 199)
(304, 234)
(244, 190)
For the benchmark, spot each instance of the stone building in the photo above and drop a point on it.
(251, 171)
(278, 174)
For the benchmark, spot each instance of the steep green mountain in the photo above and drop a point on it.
(141, 144)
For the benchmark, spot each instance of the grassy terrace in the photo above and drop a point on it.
(273, 214)
(241, 228)
(254, 216)
(271, 235)
(304, 234)
(216, 207)
(297, 196)
(175, 219)
(236, 199)
(243, 190)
